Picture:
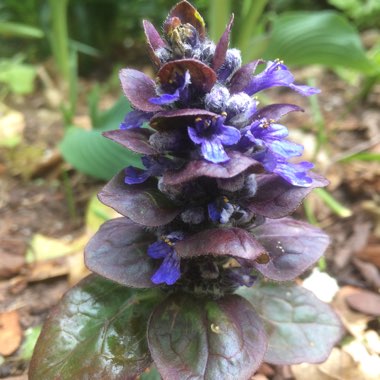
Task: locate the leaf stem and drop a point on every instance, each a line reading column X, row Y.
column 333, row 204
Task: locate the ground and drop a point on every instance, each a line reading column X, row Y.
column 36, row 187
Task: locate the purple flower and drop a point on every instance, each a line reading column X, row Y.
column 169, row 271
column 221, row 210
column 135, row 119
column 273, row 151
column 154, row 166
column 277, row 74
column 212, row 135
column 177, row 90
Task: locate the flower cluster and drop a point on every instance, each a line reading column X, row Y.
column 208, row 213
column 216, row 164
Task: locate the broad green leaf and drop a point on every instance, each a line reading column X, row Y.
column 326, row 37
column 206, row 339
column 92, row 153
column 301, row 328
column 98, row 331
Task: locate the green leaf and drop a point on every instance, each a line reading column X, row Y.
column 301, row 328
column 95, row 155
column 200, row 338
column 13, row 29
column 98, row 331
column 18, row 76
column 30, row 338
column 326, row 37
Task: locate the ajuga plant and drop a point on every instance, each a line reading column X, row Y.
column 195, row 277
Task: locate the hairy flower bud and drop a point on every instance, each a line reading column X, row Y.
column 216, row 100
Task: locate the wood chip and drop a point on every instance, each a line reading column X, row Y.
column 10, row 333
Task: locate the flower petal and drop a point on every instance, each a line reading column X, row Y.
column 166, row 98
column 304, row 90
column 192, row 132
column 212, row 150
column 135, row 175
column 135, row 119
column 229, row 135
column 270, row 79
column 159, row 250
column 285, row 149
column 169, row 271
column 296, row 174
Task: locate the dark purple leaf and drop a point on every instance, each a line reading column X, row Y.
column 234, row 242
column 180, row 118
column 118, row 251
column 154, row 41
column 202, row 76
column 197, row 338
column 237, row 164
column 139, row 88
column 222, row 46
column 97, row 332
column 135, row 139
column 293, row 246
column 300, row 327
column 143, row 203
column 188, row 15
column 243, row 76
column 276, row 198
column 275, row 111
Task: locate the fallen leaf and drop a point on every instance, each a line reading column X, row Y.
column 355, row 323
column 43, row 270
column 44, row 248
column 365, row 302
column 10, row 333
column 369, row 271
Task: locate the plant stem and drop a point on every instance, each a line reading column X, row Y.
column 60, row 39
column 333, row 204
column 218, row 16
column 249, row 25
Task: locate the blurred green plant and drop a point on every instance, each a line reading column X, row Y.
column 17, row 76
column 364, row 13
column 89, row 152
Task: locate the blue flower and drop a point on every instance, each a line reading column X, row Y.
column 213, row 135
column 135, row 119
column 277, row 74
column 176, row 90
column 273, row 151
column 169, row 271
column 221, row 210
column 155, row 166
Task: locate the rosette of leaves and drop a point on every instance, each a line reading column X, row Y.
column 195, row 276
